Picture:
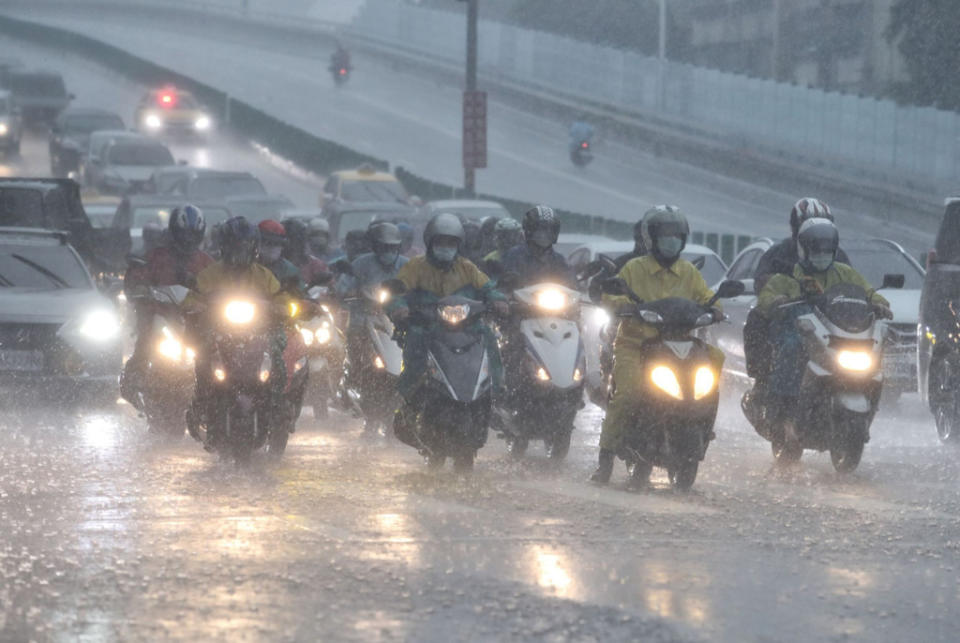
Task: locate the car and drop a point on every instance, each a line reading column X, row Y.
column 9, row 64
column 257, row 208
column 363, row 185
column 204, row 183
column 40, row 95
column 872, row 258
column 101, row 209
column 70, row 136
column 56, row 204
column 11, row 124
column 476, row 209
column 581, row 249
column 123, row 162
column 172, row 111
column 58, row 332
column 347, row 216
column 136, row 211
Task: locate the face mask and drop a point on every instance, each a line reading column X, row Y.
column 670, row 247
column 319, row 243
column 542, row 239
column 271, row 254
column 444, row 254
column 388, row 258
column 821, row 261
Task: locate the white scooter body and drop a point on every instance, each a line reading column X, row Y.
column 554, row 342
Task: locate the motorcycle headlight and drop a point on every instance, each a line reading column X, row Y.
column 152, row 121
column 323, row 333
column 543, row 375
column 202, row 124
column 265, row 364
column 170, row 348
column 293, row 309
column 577, row 375
column 383, row 295
column 551, row 299
column 378, row 362
column 307, row 336
column 665, row 379
column 857, row 361
column 454, row 314
column 703, row 382
column 239, row 312
column 601, row 317
column 219, row 373
column 100, row 326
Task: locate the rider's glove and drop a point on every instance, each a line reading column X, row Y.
column 811, row 286
column 882, row 311
column 718, row 315
column 501, row 308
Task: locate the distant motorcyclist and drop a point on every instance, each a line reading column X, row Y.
column 356, row 243
column 535, row 261
column 176, row 263
column 655, row 276
column 406, row 239
column 340, row 58
column 153, row 236
column 273, row 241
column 580, row 131
column 318, row 230
column 817, row 271
column 473, row 241
column 313, row 270
column 439, row 273
column 488, row 235
column 236, row 270
column 508, row 234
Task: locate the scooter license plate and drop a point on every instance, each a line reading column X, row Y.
column 21, row 361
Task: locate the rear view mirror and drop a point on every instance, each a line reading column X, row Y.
column 893, row 281
column 700, row 262
column 730, row 289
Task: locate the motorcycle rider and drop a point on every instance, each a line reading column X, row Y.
column 176, row 263
column 658, row 275
column 508, row 233
column 340, row 58
column 406, row 238
column 318, row 230
column 580, row 131
column 273, row 241
column 817, row 270
column 536, row 261
column 639, row 247
column 313, row 270
column 439, row 273
column 236, row 269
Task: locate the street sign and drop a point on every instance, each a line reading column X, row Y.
column 474, row 129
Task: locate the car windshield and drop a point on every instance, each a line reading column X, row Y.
column 140, row 155
column 37, row 85
column 875, row 259
column 215, row 187
column 21, row 207
column 86, row 123
column 41, row 267
column 373, row 191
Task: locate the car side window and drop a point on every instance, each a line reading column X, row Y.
column 579, row 258
column 744, row 267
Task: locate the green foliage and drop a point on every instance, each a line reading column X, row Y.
column 926, row 34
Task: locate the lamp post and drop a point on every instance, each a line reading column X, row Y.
column 662, row 57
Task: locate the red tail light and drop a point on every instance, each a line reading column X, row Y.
column 343, row 72
column 585, row 145
column 167, row 99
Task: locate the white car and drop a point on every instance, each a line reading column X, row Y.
column 471, row 208
column 872, row 258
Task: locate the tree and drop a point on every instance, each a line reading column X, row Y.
column 925, row 31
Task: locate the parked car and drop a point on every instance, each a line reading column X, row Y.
column 202, row 184
column 873, row 258
column 122, row 162
column 471, row 208
column 172, row 111
column 41, row 95
column 136, row 211
column 363, row 185
column 56, row 204
column 11, row 124
column 70, row 136
column 57, row 331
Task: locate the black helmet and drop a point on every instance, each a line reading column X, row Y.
column 187, row 227
column 239, row 242
column 817, row 244
column 805, row 209
column 660, row 222
column 298, row 240
column 541, row 227
column 640, row 245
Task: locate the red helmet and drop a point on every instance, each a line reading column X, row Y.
column 272, row 233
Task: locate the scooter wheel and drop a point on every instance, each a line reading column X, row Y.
column 684, row 475
column 278, row 443
column 558, row 446
column 464, row 463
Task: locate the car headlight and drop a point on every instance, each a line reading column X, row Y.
column 857, row 361
column 323, row 333
column 665, row 379
column 239, row 312
column 454, row 314
column 202, row 124
column 100, row 326
column 307, row 336
column 4, row 129
column 551, row 299
column 703, row 382
column 152, row 121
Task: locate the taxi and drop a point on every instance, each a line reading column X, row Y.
column 172, row 111
column 365, row 184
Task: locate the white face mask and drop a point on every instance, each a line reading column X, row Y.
column 670, row 247
column 445, row 254
column 271, row 254
column 821, row 261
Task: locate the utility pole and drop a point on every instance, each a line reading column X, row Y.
column 775, row 53
column 474, row 109
column 662, row 58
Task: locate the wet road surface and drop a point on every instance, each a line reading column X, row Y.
column 111, row 533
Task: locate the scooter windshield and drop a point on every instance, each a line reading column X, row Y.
column 848, row 307
column 680, row 315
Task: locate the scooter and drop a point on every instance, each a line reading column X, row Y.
column 243, row 400
column 454, row 417
column 842, row 379
column 546, row 379
column 679, row 392
column 371, row 383
column 580, row 152
column 169, row 378
column 325, row 347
